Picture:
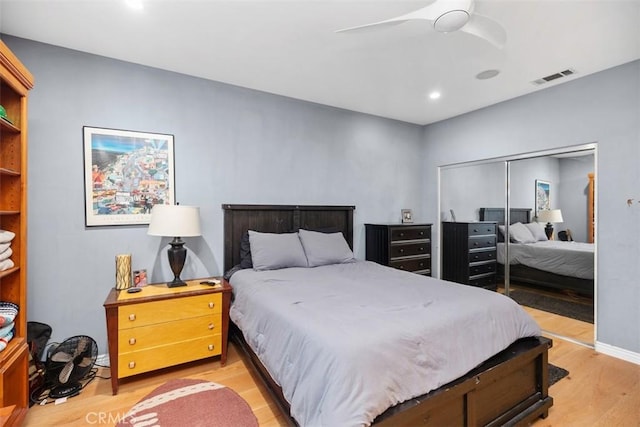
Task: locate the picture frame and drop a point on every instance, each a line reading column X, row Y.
column 543, row 196
column 126, row 173
column 407, row 216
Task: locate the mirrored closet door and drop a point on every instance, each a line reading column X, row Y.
column 544, row 202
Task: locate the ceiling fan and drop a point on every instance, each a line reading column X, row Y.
column 447, row 16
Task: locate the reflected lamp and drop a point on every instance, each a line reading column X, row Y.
column 550, row 216
column 175, row 221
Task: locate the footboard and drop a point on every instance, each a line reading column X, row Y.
column 509, row 389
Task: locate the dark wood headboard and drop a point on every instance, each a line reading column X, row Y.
column 280, row 219
column 522, row 215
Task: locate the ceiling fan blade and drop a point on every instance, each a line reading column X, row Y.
column 486, row 28
column 65, row 373
column 61, row 356
column 429, row 13
column 388, row 22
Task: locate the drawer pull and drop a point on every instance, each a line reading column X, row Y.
column 132, row 341
column 422, row 264
column 475, row 230
column 210, row 347
column 401, row 250
column 401, row 234
column 132, row 365
column 421, row 249
column 132, row 317
column 401, row 267
column 211, row 326
column 422, row 233
column 211, row 305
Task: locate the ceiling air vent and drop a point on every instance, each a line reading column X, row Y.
column 550, row 77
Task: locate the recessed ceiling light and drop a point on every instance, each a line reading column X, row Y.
column 135, row 4
column 487, row 74
column 434, row 95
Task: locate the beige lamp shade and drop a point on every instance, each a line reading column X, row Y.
column 175, row 221
column 550, row 215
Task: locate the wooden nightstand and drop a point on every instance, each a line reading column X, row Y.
column 161, row 327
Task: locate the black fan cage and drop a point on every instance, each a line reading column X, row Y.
column 70, row 346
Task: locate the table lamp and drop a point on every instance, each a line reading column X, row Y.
column 550, row 216
column 175, row 221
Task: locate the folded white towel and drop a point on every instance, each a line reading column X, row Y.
column 6, row 236
column 6, row 254
column 6, row 264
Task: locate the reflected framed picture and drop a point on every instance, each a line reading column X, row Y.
column 542, row 196
column 126, row 173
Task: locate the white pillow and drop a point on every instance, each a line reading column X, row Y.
column 518, row 233
column 537, row 231
column 325, row 248
column 271, row 251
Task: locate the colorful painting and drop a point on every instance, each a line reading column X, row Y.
column 126, row 174
column 542, row 196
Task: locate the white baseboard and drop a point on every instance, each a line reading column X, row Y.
column 103, row 360
column 618, row 353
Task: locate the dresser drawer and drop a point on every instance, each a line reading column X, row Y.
column 410, row 233
column 482, row 242
column 150, row 359
column 409, row 249
column 486, row 281
column 482, row 268
column 478, row 229
column 413, row 265
column 140, row 338
column 149, row 313
column 482, row 255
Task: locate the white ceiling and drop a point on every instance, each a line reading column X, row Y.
column 290, row 47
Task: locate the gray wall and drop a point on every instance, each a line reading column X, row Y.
column 602, row 108
column 572, row 197
column 232, row 145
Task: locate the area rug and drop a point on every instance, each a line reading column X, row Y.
column 556, row 373
column 188, row 402
column 574, row 310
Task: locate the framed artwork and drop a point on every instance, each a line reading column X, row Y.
column 542, row 196
column 407, row 216
column 126, row 173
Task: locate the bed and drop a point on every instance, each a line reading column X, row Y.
column 508, row 387
column 560, row 265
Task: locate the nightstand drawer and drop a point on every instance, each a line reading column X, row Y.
column 172, row 354
column 413, row 265
column 140, row 338
column 409, row 249
column 481, row 229
column 482, row 242
column 410, row 233
column 149, row 313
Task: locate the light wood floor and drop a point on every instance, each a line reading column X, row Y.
column 599, row 390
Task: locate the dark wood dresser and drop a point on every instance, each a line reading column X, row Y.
column 469, row 253
column 402, row 246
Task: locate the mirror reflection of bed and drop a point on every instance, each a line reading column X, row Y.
column 469, row 188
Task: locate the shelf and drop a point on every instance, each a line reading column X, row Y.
column 8, row 126
column 8, row 271
column 7, row 353
column 9, row 172
column 9, row 212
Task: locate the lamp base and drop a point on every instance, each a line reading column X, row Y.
column 177, row 255
column 549, row 230
column 175, row 283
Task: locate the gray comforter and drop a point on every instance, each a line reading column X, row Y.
column 347, row 341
